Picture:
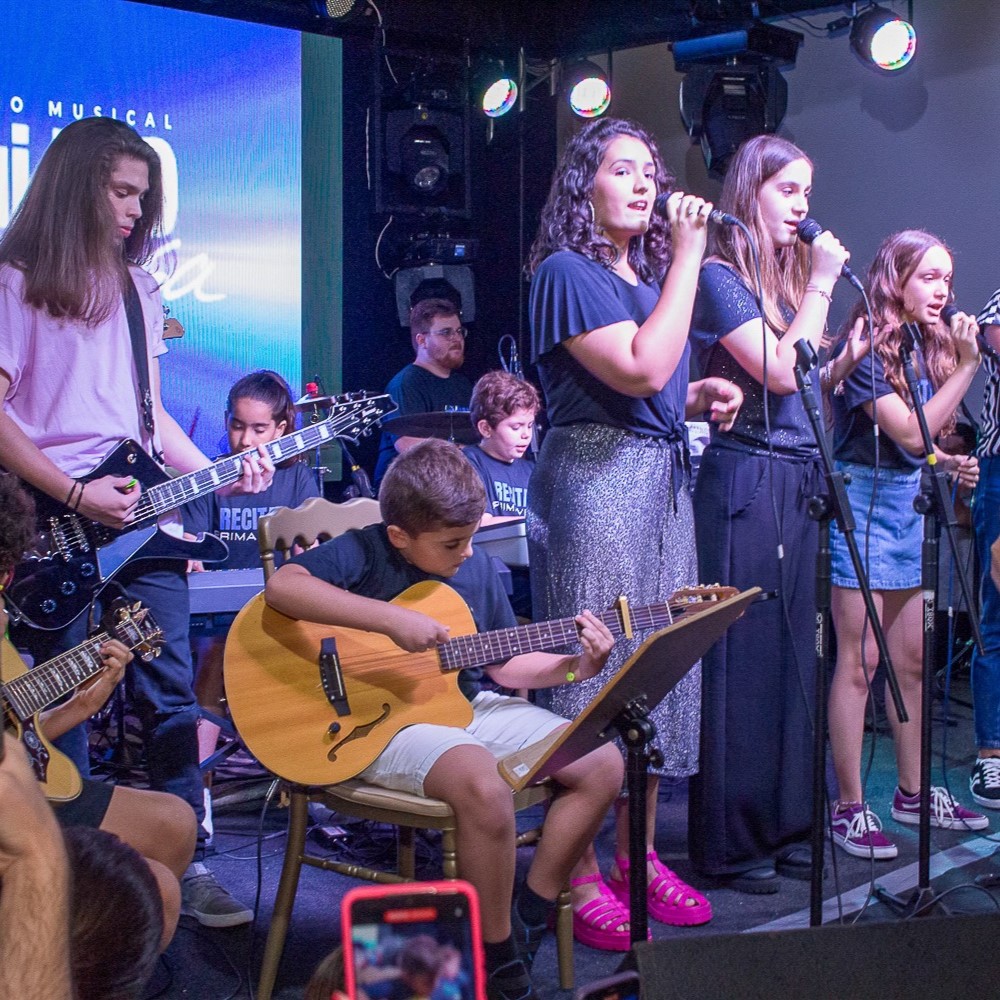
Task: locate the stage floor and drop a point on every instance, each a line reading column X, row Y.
column 215, row 964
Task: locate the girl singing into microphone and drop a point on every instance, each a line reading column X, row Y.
column 609, row 511
column 909, row 283
column 750, row 803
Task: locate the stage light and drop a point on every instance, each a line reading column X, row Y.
column 587, row 89
column 335, row 9
column 723, row 106
column 733, row 88
column 423, row 154
column 494, row 89
column 882, row 40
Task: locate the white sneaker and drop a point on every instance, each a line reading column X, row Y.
column 208, row 902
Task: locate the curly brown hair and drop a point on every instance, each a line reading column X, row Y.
column 567, row 221
column 897, row 257
column 17, row 522
column 498, row 394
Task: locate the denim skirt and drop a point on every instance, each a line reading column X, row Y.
column 890, row 540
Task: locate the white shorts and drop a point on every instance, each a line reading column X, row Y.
column 500, row 723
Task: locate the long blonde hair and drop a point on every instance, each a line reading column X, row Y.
column 785, row 271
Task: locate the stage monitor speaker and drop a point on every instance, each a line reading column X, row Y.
column 927, row 957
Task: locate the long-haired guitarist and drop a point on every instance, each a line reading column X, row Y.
column 432, row 500
column 72, row 388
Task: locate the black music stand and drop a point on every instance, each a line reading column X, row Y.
column 643, row 681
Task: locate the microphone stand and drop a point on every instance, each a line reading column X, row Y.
column 822, row 508
column 934, row 503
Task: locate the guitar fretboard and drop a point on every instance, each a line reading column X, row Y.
column 350, row 416
column 484, row 648
column 39, row 688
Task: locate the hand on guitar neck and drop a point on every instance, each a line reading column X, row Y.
column 90, row 696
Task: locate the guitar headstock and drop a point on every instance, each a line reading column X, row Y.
column 357, row 414
column 134, row 625
column 704, row 592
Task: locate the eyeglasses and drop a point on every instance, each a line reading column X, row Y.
column 450, row 333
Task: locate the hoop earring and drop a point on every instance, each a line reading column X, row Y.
column 593, row 219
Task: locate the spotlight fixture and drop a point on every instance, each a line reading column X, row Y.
column 586, row 88
column 335, row 9
column 423, row 157
column 733, row 88
column 494, row 89
column 882, row 40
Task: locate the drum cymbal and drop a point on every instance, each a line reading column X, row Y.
column 308, row 402
column 452, row 425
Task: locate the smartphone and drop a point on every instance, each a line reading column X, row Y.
column 623, row 986
column 413, row 939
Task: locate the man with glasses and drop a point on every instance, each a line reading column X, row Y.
column 432, row 382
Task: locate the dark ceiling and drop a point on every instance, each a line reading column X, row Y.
column 544, row 28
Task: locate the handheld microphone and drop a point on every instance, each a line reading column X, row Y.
column 985, row 347
column 716, row 216
column 808, row 230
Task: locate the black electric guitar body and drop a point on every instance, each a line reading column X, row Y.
column 72, row 557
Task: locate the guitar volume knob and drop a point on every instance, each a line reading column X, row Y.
column 67, row 587
column 48, row 606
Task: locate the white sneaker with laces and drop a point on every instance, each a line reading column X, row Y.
column 208, row 902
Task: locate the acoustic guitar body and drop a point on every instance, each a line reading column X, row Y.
column 55, row 772
column 283, row 713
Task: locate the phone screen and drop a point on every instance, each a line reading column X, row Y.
column 413, row 944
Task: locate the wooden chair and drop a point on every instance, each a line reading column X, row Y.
column 277, row 534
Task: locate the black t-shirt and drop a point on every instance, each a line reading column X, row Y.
column 570, row 295
column 853, row 436
column 364, row 562
column 417, row 390
column 506, row 482
column 724, row 303
column 234, row 518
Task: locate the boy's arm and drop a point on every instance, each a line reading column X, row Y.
column 295, row 592
column 539, row 670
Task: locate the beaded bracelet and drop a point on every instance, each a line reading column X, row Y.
column 820, row 291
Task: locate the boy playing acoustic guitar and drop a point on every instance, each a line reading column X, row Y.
column 432, row 501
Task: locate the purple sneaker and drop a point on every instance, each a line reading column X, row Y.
column 859, row 832
column 946, row 812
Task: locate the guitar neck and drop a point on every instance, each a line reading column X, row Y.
column 175, row 493
column 37, row 689
column 482, row 649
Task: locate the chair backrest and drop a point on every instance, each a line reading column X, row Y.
column 315, row 519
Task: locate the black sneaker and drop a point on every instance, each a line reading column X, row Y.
column 985, row 782
column 510, row 982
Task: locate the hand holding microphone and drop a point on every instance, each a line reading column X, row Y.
column 828, row 252
column 714, row 215
column 969, row 342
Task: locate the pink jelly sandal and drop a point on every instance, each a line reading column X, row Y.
column 669, row 899
column 602, row 922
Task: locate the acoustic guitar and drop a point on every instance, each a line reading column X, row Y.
column 72, row 557
column 316, row 704
column 26, row 693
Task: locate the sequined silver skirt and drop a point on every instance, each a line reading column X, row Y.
column 603, row 521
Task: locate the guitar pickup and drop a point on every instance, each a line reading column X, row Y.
column 332, row 677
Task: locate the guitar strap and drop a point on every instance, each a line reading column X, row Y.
column 137, row 334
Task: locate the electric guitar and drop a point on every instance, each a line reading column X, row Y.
column 26, row 693
column 72, row 557
column 316, row 704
